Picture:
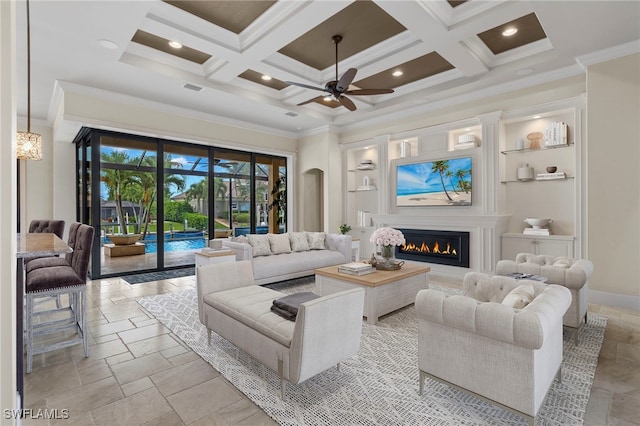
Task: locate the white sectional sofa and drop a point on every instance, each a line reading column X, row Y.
column 279, row 257
column 326, row 331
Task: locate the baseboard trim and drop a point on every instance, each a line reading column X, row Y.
column 614, row 299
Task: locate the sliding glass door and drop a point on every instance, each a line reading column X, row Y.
column 186, row 203
column 128, row 182
column 156, row 202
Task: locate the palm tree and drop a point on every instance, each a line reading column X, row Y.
column 449, row 175
column 199, row 191
column 441, row 167
column 462, row 183
column 117, row 181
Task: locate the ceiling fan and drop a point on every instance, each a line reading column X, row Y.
column 338, row 88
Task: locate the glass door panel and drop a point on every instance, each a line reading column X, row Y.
column 232, row 193
column 271, row 195
column 127, row 190
column 186, row 203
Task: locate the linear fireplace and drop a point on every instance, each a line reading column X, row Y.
column 441, row 247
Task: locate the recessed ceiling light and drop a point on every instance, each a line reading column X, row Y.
column 397, row 73
column 327, row 99
column 107, row 44
column 536, row 116
column 175, row 44
column 266, row 77
column 509, row 31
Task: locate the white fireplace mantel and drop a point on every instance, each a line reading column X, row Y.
column 484, row 237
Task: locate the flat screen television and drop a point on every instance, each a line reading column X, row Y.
column 434, row 183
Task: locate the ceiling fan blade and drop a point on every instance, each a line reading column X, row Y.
column 346, row 79
column 306, row 86
column 347, row 103
column 360, row 92
column 317, row 98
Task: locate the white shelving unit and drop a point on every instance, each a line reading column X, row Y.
column 558, row 199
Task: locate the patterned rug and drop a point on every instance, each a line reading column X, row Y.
column 379, row 385
column 157, row 276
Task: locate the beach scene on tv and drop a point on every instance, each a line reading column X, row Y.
column 434, row 183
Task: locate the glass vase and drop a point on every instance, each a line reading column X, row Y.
column 387, row 252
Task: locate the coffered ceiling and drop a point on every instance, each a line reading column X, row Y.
column 237, row 56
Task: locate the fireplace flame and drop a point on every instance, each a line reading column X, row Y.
column 424, row 248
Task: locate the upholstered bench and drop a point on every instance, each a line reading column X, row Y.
column 326, row 330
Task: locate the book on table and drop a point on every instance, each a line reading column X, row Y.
column 356, row 268
column 356, row 273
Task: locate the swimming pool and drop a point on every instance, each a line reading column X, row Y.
column 176, row 241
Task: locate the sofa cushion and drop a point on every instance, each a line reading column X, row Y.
column 275, row 266
column 259, row 244
column 279, row 243
column 316, row 240
column 299, row 241
column 251, row 305
column 240, row 239
column 519, row 297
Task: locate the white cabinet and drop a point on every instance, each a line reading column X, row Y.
column 553, row 245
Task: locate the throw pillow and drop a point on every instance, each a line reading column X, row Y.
column 519, row 297
column 260, row 245
column 562, row 262
column 316, row 240
column 279, row 243
column 299, row 241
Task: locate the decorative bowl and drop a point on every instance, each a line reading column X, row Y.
column 551, row 169
column 538, row 223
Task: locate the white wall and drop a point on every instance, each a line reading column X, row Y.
column 613, row 182
column 321, row 151
column 9, row 206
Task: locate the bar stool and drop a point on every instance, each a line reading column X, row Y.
column 51, row 226
column 54, row 280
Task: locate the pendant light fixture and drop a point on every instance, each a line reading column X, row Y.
column 29, row 145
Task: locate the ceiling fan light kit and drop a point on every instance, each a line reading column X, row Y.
column 338, row 88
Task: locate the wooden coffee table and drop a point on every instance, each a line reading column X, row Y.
column 384, row 291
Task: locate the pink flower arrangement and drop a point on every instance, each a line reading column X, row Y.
column 387, row 237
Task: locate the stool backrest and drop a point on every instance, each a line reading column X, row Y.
column 81, row 241
column 47, row 226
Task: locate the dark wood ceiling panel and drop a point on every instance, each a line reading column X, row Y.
column 456, row 3
column 256, row 77
column 529, row 30
column 416, row 69
column 362, row 24
column 234, row 16
column 162, row 44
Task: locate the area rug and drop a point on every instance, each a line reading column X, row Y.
column 157, row 276
column 378, row 386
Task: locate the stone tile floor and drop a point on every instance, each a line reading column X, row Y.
column 139, row 373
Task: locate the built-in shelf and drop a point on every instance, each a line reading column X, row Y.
column 362, row 190
column 538, row 180
column 542, row 148
column 361, row 170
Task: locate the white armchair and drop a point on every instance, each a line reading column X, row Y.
column 570, row 273
column 504, row 355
